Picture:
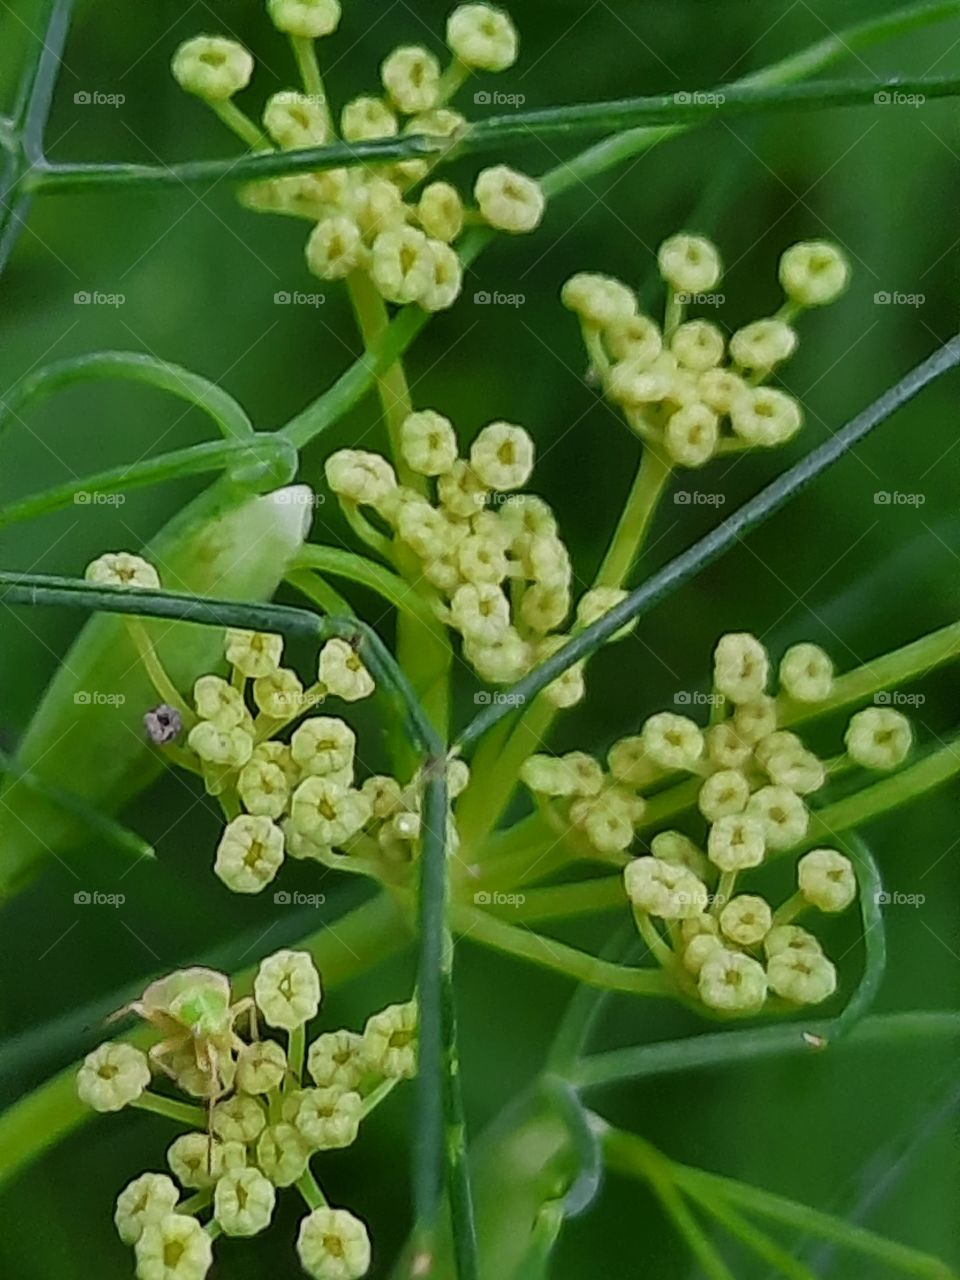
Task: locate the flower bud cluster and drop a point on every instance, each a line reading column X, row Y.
column 688, row 387
column 729, row 950
column 270, row 1112
column 372, row 221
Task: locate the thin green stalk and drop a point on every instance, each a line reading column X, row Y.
column 311, row 585
column 182, row 1112
column 563, row 901
column 651, row 479
column 295, row 1053
column 241, row 125
column 155, row 669
column 367, row 573
column 490, row 931
column 377, row 1095
column 309, row 1188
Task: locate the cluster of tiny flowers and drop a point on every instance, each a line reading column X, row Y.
column 296, row 790
column 388, row 222
column 687, row 387
column 270, row 1113
column 726, row 949
column 494, row 555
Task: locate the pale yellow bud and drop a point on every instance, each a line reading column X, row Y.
column 827, row 880
column 814, row 273
column 689, row 264
column 509, row 201
column 879, row 738
column 733, row 983
column 482, row 37
column 746, row 920
column 212, row 67
column 806, row 673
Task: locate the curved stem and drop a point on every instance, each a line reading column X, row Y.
column 182, row 1112
column 651, row 479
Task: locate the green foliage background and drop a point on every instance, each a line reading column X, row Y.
column 199, row 277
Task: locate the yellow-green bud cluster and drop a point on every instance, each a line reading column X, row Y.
column 730, row 950
column 370, row 221
column 268, row 1117
column 687, row 387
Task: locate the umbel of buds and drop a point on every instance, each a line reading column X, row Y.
column 267, row 1118
column 733, row 952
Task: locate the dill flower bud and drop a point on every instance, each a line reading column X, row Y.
column 672, row 741
column 327, row 812
column 575, row 774
column 756, row 720
column 411, row 77
column 802, row 977
column 723, row 793
column 544, row 606
column 545, row 559
column 428, row 443
column 120, row 569
column 341, row 670
column 509, row 201
column 287, row 989
column 324, row 746
column 113, row 1076
column 263, row 788
column 731, row 982
column 735, row 843
column 279, row 695
column 689, row 264
column 333, row 1245
column 335, row 248
column 145, row 1200
column 680, row 851
column 261, row 1066
column 328, row 1118
column 282, row 1154
column 608, row 819
column 390, row 1041
column 790, row 766
column 746, row 920
column 173, row 1248
column 229, row 748
column 569, row 688
column 243, row 1202
column 308, row 19
column 377, row 206
column 219, row 702
column 814, row 273
column 440, row 211
column 627, row 761
column 767, row 417
column 461, row 491
column 698, row 345
column 698, row 951
column 601, row 302
column 364, row 478
column 367, row 117
column 691, row 435
column 401, row 264
column 335, row 1060
column 596, row 603
column 240, row 1118
column 502, row 456
column 501, row 660
column 295, row 120
column 762, row 345
column 827, row 880
column 664, row 889
column 790, row 937
column 446, row 280
column 722, row 390
column 482, row 559
column 480, row 611
column 725, row 746
column 254, row 653
column 740, row 667
column 194, row 1159
column 701, row 926
column 635, row 340
column 249, row 854
column 878, row 738
column 806, row 673
column 782, row 816
column 637, row 383
column 482, row 37
column 212, row 67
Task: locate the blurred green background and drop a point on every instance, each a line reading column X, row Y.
column 198, row 276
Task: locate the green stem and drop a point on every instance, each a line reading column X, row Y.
column 155, row 670
column 652, row 476
column 182, row 1112
column 755, row 1239
column 377, row 1095
column 367, row 573
column 295, row 1053
column 240, row 124
column 478, row 926
column 309, row 1188
column 311, row 585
